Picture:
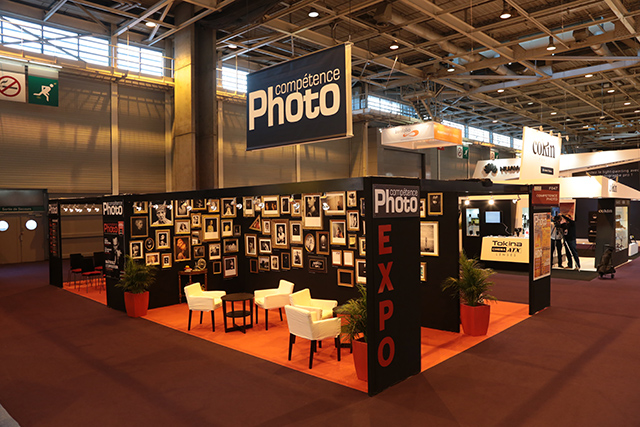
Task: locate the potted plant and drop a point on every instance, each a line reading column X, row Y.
column 354, row 326
column 472, row 286
column 135, row 283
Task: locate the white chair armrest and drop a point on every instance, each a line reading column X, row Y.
column 276, row 301
column 325, row 304
column 328, row 328
column 261, row 293
column 316, row 313
column 203, row 303
column 214, row 294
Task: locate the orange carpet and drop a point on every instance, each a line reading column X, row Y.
column 272, row 345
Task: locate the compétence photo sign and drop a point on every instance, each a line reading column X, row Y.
column 304, row 100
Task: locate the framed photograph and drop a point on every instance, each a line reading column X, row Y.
column 353, row 221
column 198, row 252
column 162, row 239
column 196, row 237
column 434, row 207
column 345, row 277
column 139, row 226
column 336, row 257
column 227, row 228
column 237, row 230
column 165, row 260
column 348, row 259
column 296, row 208
column 362, row 206
column 228, row 208
column 211, row 227
column 140, row 208
column 183, row 226
column 135, row 249
column 338, row 233
column 199, row 205
column 161, row 213
column 361, row 271
column 253, row 265
column 311, row 211
column 214, row 251
column 250, row 245
column 296, row 257
column 285, row 261
column 429, row 238
column 152, row 258
column 230, row 246
column 336, row 203
column 196, row 220
column 257, row 204
column 352, row 242
column 183, row 208
column 270, row 206
column 256, row 225
column 352, row 199
column 266, row 227
column 247, row 209
column 181, row 248
column 217, row 267
column 310, row 243
column 280, row 233
column 230, row 266
column 213, row 205
column 423, row 208
column 295, row 235
column 264, row 245
column 317, row 264
column 275, row 263
column 285, row 205
column 362, row 246
column 149, row 244
column 423, row 271
column 322, row 242
column 264, row 263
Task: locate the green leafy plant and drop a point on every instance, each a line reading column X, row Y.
column 137, row 277
column 355, row 311
column 472, row 284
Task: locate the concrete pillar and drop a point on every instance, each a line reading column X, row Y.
column 184, row 141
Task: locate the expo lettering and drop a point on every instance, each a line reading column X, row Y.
column 304, row 103
column 385, row 306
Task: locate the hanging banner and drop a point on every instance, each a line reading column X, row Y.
column 12, row 87
column 304, row 100
column 422, row 135
column 540, row 155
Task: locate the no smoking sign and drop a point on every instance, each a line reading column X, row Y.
column 12, row 87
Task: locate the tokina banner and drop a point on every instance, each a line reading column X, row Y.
column 304, row 100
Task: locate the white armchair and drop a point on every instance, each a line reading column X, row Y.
column 305, row 324
column 323, row 307
column 272, row 298
column 202, row 301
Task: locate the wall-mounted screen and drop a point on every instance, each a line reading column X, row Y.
column 492, row 217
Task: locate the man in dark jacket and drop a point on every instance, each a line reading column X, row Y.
column 570, row 241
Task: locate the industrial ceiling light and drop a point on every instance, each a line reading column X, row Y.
column 467, row 202
column 491, row 201
column 627, row 102
column 553, row 113
column 551, row 46
column 611, row 90
column 500, row 90
column 451, row 69
column 313, row 13
column 232, row 46
column 150, row 24
column 588, row 75
column 394, row 45
column 637, row 111
column 506, row 10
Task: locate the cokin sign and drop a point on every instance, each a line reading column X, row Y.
column 540, row 154
column 304, row 100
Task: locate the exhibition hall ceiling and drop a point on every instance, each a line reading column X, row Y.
column 570, row 66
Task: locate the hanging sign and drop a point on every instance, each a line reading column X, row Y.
column 43, row 91
column 304, row 100
column 12, row 87
column 421, row 135
column 540, row 155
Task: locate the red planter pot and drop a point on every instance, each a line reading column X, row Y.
column 360, row 359
column 136, row 304
column 475, row 320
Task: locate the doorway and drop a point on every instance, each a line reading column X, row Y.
column 22, row 237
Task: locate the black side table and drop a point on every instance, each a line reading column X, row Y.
column 233, row 313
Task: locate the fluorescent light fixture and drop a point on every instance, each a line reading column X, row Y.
column 551, row 46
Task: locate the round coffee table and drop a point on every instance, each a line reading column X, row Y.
column 234, row 314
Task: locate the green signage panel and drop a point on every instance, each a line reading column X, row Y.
column 43, row 91
column 465, row 152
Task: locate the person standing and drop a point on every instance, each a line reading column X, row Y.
column 556, row 239
column 570, row 240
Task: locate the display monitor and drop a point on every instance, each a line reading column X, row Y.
column 492, row 217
